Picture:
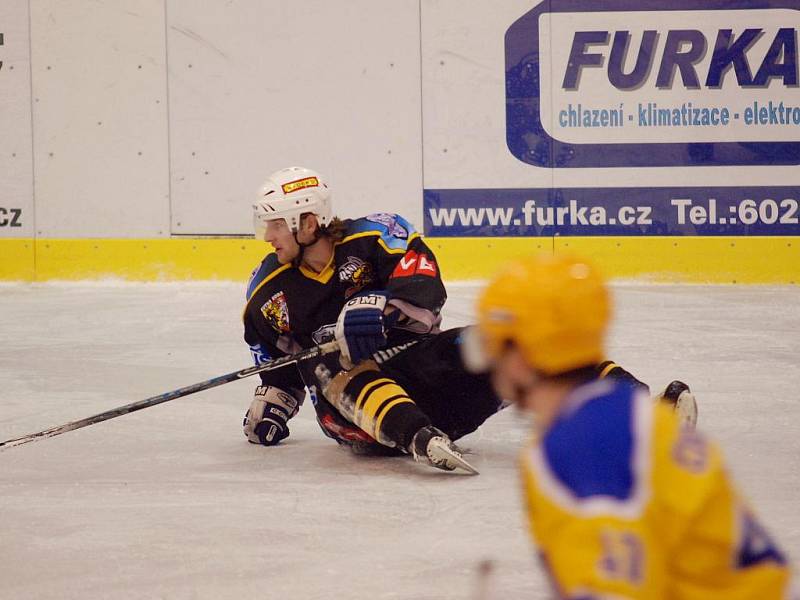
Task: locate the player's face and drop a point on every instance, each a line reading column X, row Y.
column 282, row 239
column 513, row 379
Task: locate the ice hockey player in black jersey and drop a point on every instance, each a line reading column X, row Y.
column 373, row 285
column 399, row 384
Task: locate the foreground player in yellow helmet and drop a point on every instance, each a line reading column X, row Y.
column 624, row 499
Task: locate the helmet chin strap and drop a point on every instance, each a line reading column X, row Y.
column 299, row 258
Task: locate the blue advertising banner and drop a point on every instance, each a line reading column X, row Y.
column 702, row 211
column 633, row 83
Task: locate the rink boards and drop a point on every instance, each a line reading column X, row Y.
column 660, row 137
column 719, row 259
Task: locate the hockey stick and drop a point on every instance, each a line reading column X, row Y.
column 313, row 352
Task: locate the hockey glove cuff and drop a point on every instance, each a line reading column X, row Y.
column 266, row 420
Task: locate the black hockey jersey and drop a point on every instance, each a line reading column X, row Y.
column 290, row 308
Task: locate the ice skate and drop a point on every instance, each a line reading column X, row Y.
column 434, row 447
column 682, row 400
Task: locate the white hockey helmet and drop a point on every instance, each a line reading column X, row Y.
column 289, row 193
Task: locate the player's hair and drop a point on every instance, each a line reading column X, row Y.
column 335, row 230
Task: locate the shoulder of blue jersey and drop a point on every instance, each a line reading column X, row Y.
column 393, row 230
column 590, row 448
column 267, row 267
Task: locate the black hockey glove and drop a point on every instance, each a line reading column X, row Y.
column 266, row 420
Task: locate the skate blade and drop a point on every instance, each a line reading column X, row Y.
column 686, row 409
column 443, row 457
column 465, row 466
column 684, row 406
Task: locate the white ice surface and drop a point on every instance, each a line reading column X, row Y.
column 172, row 502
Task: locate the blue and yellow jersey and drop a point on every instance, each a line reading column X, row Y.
column 624, row 502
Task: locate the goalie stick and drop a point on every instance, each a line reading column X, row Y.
column 320, row 350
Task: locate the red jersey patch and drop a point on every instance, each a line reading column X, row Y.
column 415, row 264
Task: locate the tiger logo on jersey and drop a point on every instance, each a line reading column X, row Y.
column 357, row 273
column 276, row 312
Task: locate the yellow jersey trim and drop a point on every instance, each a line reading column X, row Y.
column 268, row 278
column 323, row 276
column 363, row 234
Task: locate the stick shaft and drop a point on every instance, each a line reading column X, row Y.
column 166, row 397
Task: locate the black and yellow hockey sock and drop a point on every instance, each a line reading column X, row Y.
column 613, row 371
column 384, row 409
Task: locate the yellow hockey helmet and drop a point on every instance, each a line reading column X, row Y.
column 555, row 309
